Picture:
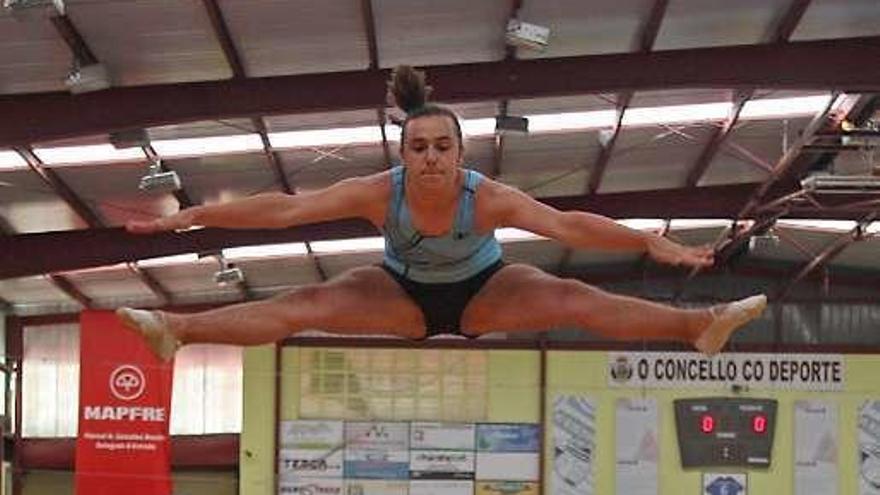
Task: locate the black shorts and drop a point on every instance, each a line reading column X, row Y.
column 443, row 304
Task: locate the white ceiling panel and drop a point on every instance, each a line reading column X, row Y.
column 327, row 120
column 30, row 205
column 426, row 32
column 585, row 28
column 279, row 37
column 279, row 272
column 839, row 19
column 653, row 157
column 32, row 290
column 112, row 286
column 705, row 23
column 33, row 58
column 213, row 179
column 751, row 150
column 150, row 41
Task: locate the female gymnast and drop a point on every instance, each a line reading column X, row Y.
column 442, row 270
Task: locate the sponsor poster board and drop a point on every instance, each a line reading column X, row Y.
column 122, row 443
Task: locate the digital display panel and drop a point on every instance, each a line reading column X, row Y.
column 725, row 431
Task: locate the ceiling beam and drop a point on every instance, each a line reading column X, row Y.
column 823, row 64
column 74, row 40
column 36, row 253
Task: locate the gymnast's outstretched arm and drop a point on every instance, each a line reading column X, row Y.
column 510, row 207
column 363, row 197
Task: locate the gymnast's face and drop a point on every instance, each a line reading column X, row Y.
column 432, row 153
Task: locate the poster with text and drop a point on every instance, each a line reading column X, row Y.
column 636, row 446
column 442, row 436
column 376, row 487
column 298, row 463
column 869, row 448
column 815, row 448
column 377, row 450
column 311, row 486
column 574, row 443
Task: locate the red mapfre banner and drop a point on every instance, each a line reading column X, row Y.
column 124, row 409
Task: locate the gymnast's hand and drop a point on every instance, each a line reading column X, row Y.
column 666, row 251
column 181, row 220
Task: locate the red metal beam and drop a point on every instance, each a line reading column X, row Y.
column 81, row 51
column 60, row 188
column 823, row 64
column 830, row 252
column 65, row 285
column 187, row 452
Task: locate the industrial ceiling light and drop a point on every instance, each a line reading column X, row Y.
column 229, row 274
column 841, row 184
column 525, row 35
column 34, row 9
column 511, row 123
column 159, row 180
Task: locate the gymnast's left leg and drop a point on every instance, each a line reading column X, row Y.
column 521, row 297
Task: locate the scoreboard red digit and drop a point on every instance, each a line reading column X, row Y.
column 725, row 431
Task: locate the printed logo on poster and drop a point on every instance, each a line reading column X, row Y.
column 817, row 372
column 127, row 382
column 295, row 463
column 313, row 486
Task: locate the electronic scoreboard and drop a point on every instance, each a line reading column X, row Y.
column 725, row 431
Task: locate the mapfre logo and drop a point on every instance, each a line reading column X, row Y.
column 127, row 382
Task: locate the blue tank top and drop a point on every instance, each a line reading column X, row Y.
column 453, row 257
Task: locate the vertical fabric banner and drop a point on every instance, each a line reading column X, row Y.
column 637, row 448
column 574, row 445
column 815, row 447
column 122, row 445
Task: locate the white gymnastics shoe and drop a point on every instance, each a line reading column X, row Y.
column 152, row 327
column 727, row 318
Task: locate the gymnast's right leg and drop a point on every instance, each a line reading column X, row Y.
column 361, row 301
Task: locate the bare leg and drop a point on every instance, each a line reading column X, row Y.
column 521, row 297
column 361, row 301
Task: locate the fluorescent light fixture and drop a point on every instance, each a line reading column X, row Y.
column 510, row 234
column 93, row 153
column 698, row 223
column 361, row 244
column 841, row 184
column 178, row 259
column 836, row 225
column 269, row 250
column 10, row 160
column 873, row 228
column 676, row 114
column 572, row 121
column 171, row 148
column 326, row 137
column 478, row 127
column 784, row 107
column 643, row 223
